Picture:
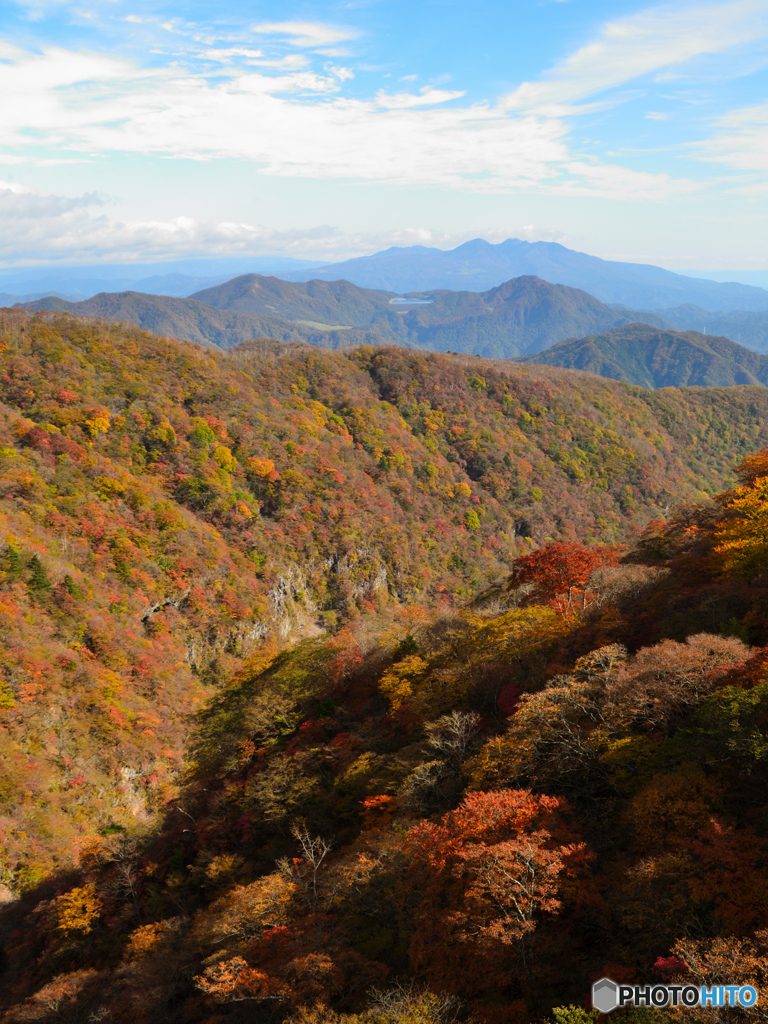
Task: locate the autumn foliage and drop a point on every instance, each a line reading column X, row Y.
column 559, row 575
column 352, row 688
column 512, row 852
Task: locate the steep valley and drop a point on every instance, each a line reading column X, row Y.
column 300, row 647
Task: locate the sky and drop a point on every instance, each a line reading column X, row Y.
column 138, row 130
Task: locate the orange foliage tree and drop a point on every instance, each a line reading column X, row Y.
column 497, row 864
column 234, row 981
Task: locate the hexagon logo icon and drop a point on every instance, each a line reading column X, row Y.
column 605, row 995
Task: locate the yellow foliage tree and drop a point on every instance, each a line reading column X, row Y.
column 551, row 737
column 149, row 939
column 466, row 650
column 742, row 536
column 399, row 682
column 246, row 911
column 96, row 421
column 224, row 458
column 77, row 910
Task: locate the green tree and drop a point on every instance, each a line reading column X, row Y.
column 38, row 580
column 14, row 564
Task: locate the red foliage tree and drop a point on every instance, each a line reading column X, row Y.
column 558, row 574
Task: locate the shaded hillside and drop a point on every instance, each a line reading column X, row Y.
column 652, row 358
column 524, row 315
column 479, row 265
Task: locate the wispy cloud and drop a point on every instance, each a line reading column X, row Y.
column 308, row 34
column 641, row 44
column 739, row 141
column 425, row 97
column 295, row 123
column 256, row 58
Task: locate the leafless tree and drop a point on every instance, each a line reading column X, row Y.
column 304, row 872
column 453, row 734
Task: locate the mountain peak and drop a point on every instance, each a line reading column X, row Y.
column 479, row 265
column 475, row 245
column 400, row 250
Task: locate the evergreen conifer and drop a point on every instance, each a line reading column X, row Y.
column 14, row 565
column 38, row 580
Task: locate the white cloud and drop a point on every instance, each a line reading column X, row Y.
column 426, row 97
column 20, row 203
column 740, row 141
column 256, row 58
column 232, row 51
column 291, row 62
column 310, row 34
column 293, row 123
column 37, row 227
column 642, row 43
column 343, row 74
column 612, row 181
column 654, row 115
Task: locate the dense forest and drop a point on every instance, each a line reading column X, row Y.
column 372, row 686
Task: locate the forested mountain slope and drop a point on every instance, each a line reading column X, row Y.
column 330, row 302
column 189, row 320
column 442, row 815
column 166, row 510
column 656, row 358
column 523, row 315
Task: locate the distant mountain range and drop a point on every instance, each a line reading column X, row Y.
column 478, row 265
column 758, row 278
column 10, row 299
column 524, row 315
column 78, row 289
column 653, row 358
column 475, row 266
column 742, row 326
column 177, row 278
column 173, row 318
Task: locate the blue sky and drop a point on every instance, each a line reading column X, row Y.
column 142, row 130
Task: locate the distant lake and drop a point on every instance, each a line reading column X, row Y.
column 410, row 302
